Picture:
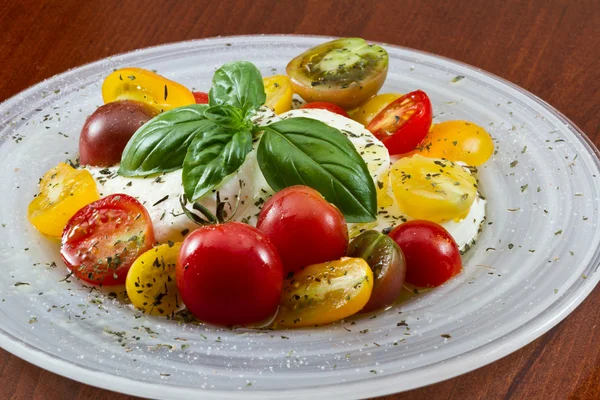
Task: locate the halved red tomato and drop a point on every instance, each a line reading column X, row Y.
column 403, row 124
column 103, row 239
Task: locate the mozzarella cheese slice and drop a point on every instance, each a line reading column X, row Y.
column 161, row 194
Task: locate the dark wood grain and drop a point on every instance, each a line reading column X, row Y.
column 551, row 48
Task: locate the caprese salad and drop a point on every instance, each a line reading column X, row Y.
column 300, row 199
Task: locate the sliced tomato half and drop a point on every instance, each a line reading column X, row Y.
column 403, row 124
column 103, row 239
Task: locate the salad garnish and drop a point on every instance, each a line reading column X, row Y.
column 211, row 142
column 349, row 203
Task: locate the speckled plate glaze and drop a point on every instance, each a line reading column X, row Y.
column 535, row 261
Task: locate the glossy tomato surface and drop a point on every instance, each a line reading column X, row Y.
column 462, row 141
column 107, row 131
column 323, row 293
column 404, row 123
column 151, row 283
column 323, row 105
column 432, row 256
column 103, row 239
column 229, row 274
column 64, row 190
column 146, row 86
column 200, row 97
column 368, row 110
column 433, row 189
column 345, row 72
column 304, row 227
column 386, row 260
column 278, row 89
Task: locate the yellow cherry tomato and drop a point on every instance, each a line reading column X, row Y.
column 458, row 141
column 323, row 293
column 64, row 190
column 151, row 282
column 365, row 113
column 279, row 93
column 433, row 189
column 145, row 86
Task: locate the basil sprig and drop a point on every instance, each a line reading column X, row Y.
column 238, row 84
column 211, row 158
column 211, row 142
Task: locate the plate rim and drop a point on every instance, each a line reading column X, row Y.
column 386, row 384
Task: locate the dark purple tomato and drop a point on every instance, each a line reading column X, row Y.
column 107, row 131
column 387, row 262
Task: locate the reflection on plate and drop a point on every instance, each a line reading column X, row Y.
column 534, row 262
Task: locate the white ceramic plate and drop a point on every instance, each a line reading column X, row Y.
column 531, row 266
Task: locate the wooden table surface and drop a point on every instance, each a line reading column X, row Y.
column 551, row 48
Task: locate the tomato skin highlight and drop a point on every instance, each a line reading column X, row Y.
column 323, row 105
column 278, row 89
column 106, row 132
column 344, row 71
column 304, row 227
column 103, row 239
column 323, row 293
column 404, row 123
column 64, row 190
column 200, row 97
column 458, row 141
column 151, row 283
column 145, row 86
column 433, row 189
column 368, row 110
column 386, row 260
column 229, row 274
column 432, row 255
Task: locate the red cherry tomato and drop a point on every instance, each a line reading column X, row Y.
column 103, row 239
column 229, row 274
column 200, row 97
column 304, row 227
column 323, row 105
column 432, row 256
column 403, row 124
column 107, row 131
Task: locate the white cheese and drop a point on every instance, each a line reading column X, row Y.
column 160, row 194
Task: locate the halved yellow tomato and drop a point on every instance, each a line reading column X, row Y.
column 365, row 113
column 64, row 190
column 151, row 282
column 145, row 86
column 323, row 293
column 433, row 189
column 458, row 141
column 279, row 93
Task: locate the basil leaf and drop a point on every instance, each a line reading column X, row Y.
column 238, row 84
column 211, row 158
column 226, row 116
column 161, row 144
column 303, row 151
